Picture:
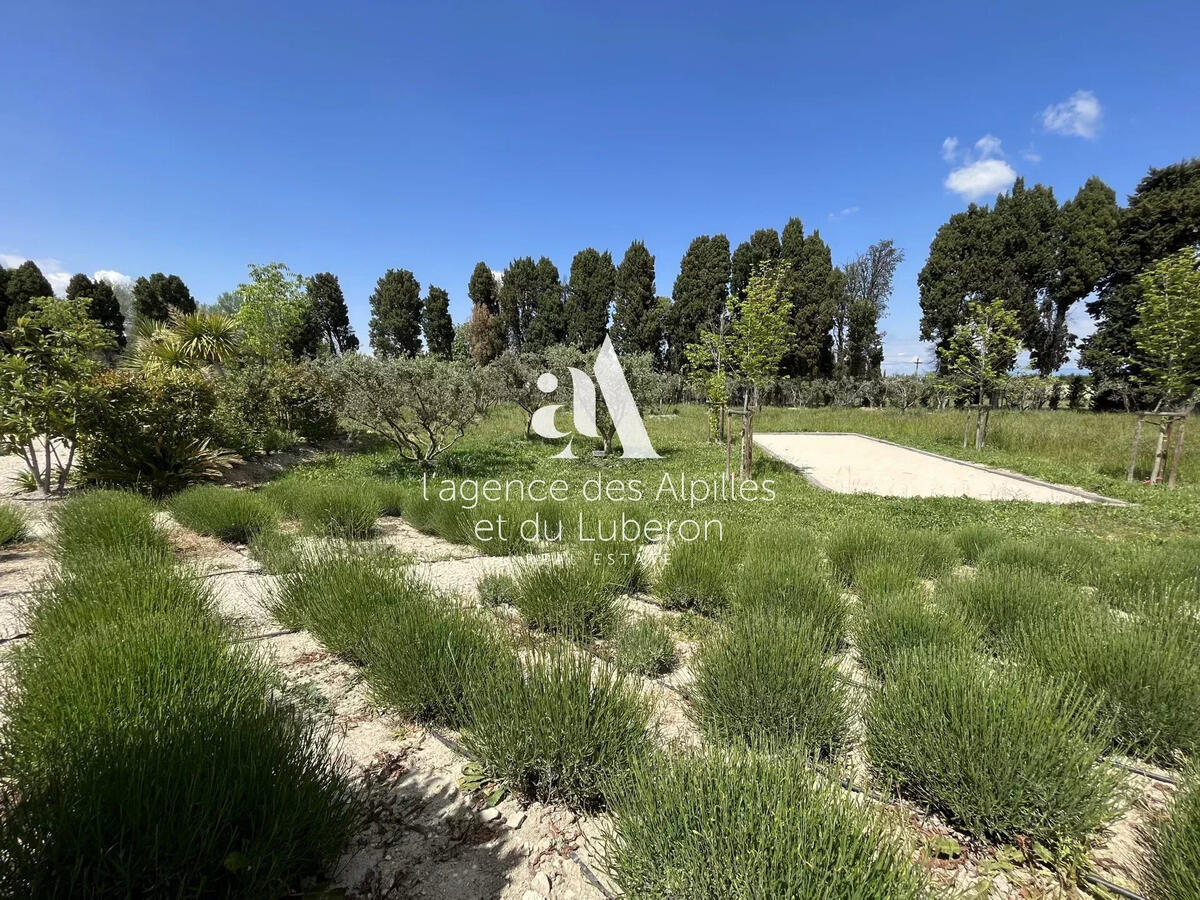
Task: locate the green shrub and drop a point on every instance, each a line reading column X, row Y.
column 793, row 587
column 767, row 679
column 276, row 551
column 344, row 595
column 12, row 525
column 1000, row 600
column 1070, row 557
column 257, row 402
column 921, row 553
column 347, row 509
column 426, row 656
column 1147, row 575
column 880, row 581
column 999, row 753
column 107, row 523
column 892, row 623
column 1173, row 870
column 973, row 541
column 622, row 570
column 151, row 431
column 438, row 517
column 392, row 496
column 1144, row 671
column 699, row 575
column 559, row 727
column 744, row 826
column 645, row 647
column 497, row 590
column 567, row 595
column 98, row 588
column 231, row 515
column 150, row 754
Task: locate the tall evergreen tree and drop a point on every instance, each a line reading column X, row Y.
column 590, row 292
column 3, row 296
column 549, row 319
column 812, row 285
column 483, row 289
column 328, row 315
column 156, row 296
column 102, row 306
column 699, row 295
column 763, row 247
column 518, row 298
column 1087, row 230
column 637, row 323
column 959, row 270
column 396, row 314
column 1163, row 216
column 22, row 284
column 437, row 324
column 867, row 285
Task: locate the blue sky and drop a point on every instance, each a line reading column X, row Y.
column 195, row 138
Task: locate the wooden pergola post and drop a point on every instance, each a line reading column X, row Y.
column 1137, row 440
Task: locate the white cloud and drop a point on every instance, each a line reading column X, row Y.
column 950, row 149
column 1079, row 116
column 841, row 214
column 1031, row 156
column 988, row 147
column 981, row 178
column 112, row 276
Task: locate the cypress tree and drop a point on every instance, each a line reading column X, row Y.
column 156, row 296
column 518, row 297
column 436, row 323
column 637, row 325
column 699, row 295
column 22, row 284
column 549, row 319
column 813, row 285
column 329, row 314
column 396, row 314
column 763, row 247
column 589, row 295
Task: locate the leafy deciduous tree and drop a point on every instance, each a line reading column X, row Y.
column 979, row 357
column 867, row 284
column 1167, row 334
column 274, row 306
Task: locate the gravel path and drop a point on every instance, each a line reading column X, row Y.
column 856, row 464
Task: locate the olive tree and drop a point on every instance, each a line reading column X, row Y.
column 45, row 383
column 422, row 405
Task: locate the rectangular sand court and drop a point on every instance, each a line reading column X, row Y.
column 857, row 464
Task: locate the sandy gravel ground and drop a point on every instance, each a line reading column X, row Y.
column 854, row 464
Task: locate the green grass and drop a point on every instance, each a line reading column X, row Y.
column 701, row 575
column 645, row 647
column 1173, row 870
column 973, row 541
column 765, row 679
column 998, row 752
column 231, row 515
column 888, row 625
column 745, row 826
column 1140, row 575
column 99, row 589
column 855, row 548
column 346, row 508
column 496, row 589
column 107, row 522
column 12, row 525
column 792, row 586
column 567, row 595
column 1143, row 670
column 426, row 658
column 1073, row 558
column 149, row 753
column 881, row 580
column 559, row 727
column 999, row 601
column 343, row 596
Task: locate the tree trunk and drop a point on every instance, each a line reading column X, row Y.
column 747, row 437
column 1137, row 440
column 1176, row 453
column 985, row 413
